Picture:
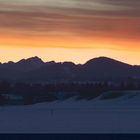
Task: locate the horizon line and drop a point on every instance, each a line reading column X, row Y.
column 67, row 61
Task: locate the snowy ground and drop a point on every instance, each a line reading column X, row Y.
column 121, row 115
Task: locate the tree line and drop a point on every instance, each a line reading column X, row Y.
column 35, row 93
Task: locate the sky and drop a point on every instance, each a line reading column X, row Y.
column 70, row 30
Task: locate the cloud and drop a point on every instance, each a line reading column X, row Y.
column 112, row 18
column 80, row 4
column 130, row 3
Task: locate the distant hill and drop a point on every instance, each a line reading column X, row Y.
column 105, row 68
column 35, row 70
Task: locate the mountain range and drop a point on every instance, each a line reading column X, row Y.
column 97, row 69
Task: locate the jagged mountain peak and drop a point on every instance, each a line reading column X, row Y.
column 31, row 60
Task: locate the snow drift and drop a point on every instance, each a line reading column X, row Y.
column 104, row 114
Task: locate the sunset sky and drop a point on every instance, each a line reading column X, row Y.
column 70, row 30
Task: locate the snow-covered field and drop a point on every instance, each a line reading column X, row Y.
column 120, row 115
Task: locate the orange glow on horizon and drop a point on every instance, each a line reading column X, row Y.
column 69, row 42
column 68, row 48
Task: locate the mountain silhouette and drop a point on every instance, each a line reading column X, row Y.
column 35, row 70
column 29, row 64
column 106, row 68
